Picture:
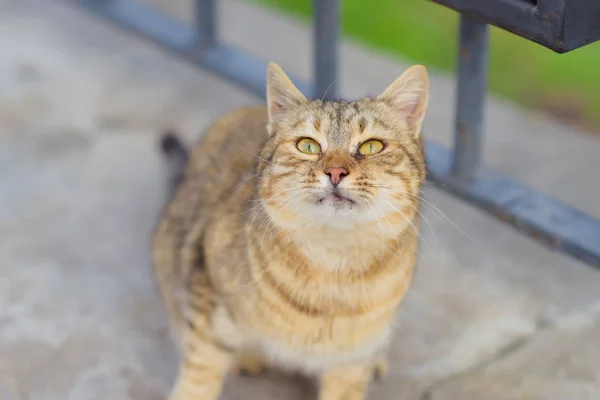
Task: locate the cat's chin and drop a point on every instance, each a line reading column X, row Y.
column 338, row 211
column 336, row 201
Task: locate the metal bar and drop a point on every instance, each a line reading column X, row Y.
column 543, row 218
column 470, row 98
column 226, row 61
column 561, row 26
column 326, row 36
column 206, row 24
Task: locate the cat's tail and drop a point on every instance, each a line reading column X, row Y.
column 166, row 266
column 176, row 154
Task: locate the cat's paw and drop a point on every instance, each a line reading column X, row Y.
column 380, row 369
column 250, row 364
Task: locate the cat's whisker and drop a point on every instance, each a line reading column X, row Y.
column 327, row 90
column 413, row 206
column 247, row 179
column 380, row 231
column 293, row 184
column 412, row 225
column 301, row 196
column 262, row 240
column 434, row 184
column 267, row 161
column 263, row 203
column 389, row 225
column 362, row 279
column 424, row 202
column 294, row 195
column 265, row 219
column 424, row 218
column 397, row 242
column 270, row 200
column 434, row 207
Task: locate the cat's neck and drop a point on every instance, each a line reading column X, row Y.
column 343, row 249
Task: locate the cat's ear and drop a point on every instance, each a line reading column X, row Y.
column 281, row 92
column 408, row 95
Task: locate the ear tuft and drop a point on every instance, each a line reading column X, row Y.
column 281, row 92
column 409, row 95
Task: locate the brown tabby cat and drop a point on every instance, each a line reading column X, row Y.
column 291, row 238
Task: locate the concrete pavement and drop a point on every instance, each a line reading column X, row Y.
column 492, row 314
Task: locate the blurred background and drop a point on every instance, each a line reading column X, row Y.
column 565, row 86
column 493, row 314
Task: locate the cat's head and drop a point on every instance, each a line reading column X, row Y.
column 343, row 164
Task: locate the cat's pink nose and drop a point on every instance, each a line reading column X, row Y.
column 336, row 174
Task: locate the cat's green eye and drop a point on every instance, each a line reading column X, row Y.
column 309, row 146
column 371, row 147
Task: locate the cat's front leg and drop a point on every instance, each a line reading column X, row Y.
column 202, row 371
column 250, row 363
column 346, row 383
column 210, row 343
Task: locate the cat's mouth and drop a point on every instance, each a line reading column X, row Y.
column 336, row 198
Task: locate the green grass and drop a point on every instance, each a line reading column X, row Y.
column 566, row 85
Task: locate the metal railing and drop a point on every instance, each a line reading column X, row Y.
column 459, row 172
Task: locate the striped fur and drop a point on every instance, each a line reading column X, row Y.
column 259, row 264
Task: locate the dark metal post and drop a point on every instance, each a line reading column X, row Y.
column 206, row 24
column 470, row 100
column 326, row 35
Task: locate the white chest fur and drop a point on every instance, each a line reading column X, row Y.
column 295, row 354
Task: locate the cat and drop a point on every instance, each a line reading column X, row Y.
column 290, row 239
